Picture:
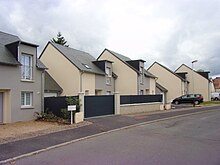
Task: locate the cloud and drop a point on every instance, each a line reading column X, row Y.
column 170, row 32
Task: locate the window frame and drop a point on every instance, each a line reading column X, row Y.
column 27, row 102
column 108, row 71
column 26, row 69
column 141, row 75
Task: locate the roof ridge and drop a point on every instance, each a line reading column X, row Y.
column 69, row 47
column 118, row 54
column 9, row 34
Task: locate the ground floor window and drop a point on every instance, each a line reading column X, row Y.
column 141, row 92
column 26, row 99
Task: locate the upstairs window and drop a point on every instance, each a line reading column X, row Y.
column 108, row 80
column 141, row 75
column 27, row 67
column 108, row 71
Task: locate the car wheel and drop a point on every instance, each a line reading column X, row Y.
column 196, row 102
column 216, row 99
column 176, row 102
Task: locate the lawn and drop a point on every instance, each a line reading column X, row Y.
column 210, row 102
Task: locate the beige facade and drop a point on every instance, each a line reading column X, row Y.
column 175, row 85
column 62, row 70
column 12, row 85
column 197, row 83
column 129, row 80
column 126, row 83
column 70, row 77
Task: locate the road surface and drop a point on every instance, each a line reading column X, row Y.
column 190, row 140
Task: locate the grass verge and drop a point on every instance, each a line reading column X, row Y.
column 211, row 103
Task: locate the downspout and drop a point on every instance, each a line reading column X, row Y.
column 80, row 85
column 42, row 90
column 138, row 85
column 114, row 79
column 209, row 86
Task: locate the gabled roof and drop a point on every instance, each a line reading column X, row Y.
column 6, row 41
column 6, row 38
column 148, row 74
column 167, row 70
column 161, row 88
column 40, row 65
column 51, row 84
column 82, row 60
column 121, row 57
column 199, row 73
column 6, row 57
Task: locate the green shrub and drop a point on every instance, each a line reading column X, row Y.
column 46, row 116
column 73, row 101
column 65, row 113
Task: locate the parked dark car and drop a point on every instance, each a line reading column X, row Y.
column 189, row 98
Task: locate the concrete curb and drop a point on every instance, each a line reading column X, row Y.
column 99, row 134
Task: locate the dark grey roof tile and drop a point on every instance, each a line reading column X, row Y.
column 82, row 60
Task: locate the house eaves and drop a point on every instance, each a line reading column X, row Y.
column 40, row 65
column 7, row 56
column 122, row 58
column 51, row 84
column 29, row 44
column 161, row 88
column 148, row 74
column 193, row 71
column 168, row 71
column 81, row 60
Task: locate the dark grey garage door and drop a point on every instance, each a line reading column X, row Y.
column 1, row 107
column 98, row 105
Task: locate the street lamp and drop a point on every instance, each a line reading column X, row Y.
column 194, row 61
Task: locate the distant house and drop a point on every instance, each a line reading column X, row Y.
column 77, row 71
column 132, row 78
column 173, row 84
column 199, row 82
column 216, row 83
column 22, row 79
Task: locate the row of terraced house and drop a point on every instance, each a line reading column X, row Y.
column 26, row 79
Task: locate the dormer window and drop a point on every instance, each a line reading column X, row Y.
column 141, row 75
column 108, row 71
column 87, row 66
column 27, row 67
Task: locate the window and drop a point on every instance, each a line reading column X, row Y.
column 141, row 92
column 26, row 99
column 108, row 80
column 26, row 68
column 141, row 75
column 108, row 71
column 86, row 92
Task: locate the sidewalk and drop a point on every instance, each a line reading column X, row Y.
column 30, row 146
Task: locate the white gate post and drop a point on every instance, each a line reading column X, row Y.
column 81, row 102
column 117, row 103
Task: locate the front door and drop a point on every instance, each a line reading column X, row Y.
column 1, row 107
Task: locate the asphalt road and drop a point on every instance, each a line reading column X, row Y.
column 190, row 140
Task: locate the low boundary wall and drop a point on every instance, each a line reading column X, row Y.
column 140, row 108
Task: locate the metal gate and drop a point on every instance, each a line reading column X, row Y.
column 1, row 107
column 98, row 105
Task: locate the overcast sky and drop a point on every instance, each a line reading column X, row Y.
column 170, row 32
